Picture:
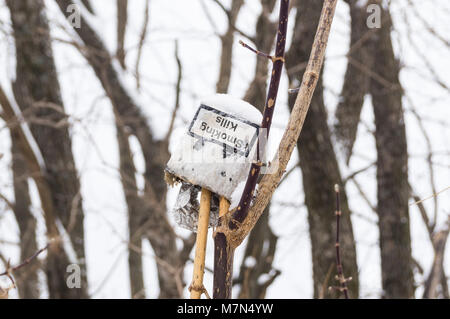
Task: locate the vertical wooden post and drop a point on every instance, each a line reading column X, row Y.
column 224, row 206
column 196, row 287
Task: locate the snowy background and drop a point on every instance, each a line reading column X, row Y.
column 96, row 153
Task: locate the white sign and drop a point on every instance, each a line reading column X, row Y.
column 235, row 134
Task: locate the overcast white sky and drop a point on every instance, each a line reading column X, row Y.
column 96, row 151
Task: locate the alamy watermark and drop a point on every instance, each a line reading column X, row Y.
column 74, row 278
column 374, row 19
column 74, row 17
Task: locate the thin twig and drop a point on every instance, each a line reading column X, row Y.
column 230, row 21
column 340, row 270
column 141, row 45
column 431, row 196
column 257, row 52
column 10, row 270
column 177, row 93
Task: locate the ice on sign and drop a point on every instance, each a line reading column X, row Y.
column 212, row 125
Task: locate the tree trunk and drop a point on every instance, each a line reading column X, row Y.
column 227, row 40
column 356, row 81
column 258, row 259
column 154, row 225
column 26, row 278
column 38, row 94
column 320, row 168
column 392, row 169
column 135, row 212
column 122, row 17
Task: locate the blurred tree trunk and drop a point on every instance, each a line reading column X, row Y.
column 258, row 259
column 356, row 81
column 57, row 259
column 392, row 168
column 128, row 175
column 154, row 224
column 122, row 18
column 135, row 213
column 26, row 278
column 38, row 94
column 319, row 167
column 261, row 235
column 227, row 41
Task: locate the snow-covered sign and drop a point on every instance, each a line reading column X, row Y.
column 235, row 134
column 215, row 153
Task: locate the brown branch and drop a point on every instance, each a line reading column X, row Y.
column 231, row 15
column 26, row 261
column 10, row 270
column 359, row 171
column 261, row 236
column 36, row 171
column 429, row 159
column 431, row 196
column 177, row 93
column 428, row 26
column 231, row 232
column 227, row 40
column 141, row 45
column 288, row 142
column 437, row 270
column 122, row 17
column 257, row 52
column 223, row 253
column 278, row 61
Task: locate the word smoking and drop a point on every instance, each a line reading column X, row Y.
column 220, row 135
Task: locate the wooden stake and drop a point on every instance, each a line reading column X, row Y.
column 224, row 206
column 196, row 287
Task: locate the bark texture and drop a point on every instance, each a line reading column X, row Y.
column 26, row 278
column 38, row 94
column 392, row 168
column 122, row 17
column 319, row 167
column 356, row 80
column 154, row 224
column 135, row 213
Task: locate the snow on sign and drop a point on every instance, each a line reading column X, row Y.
column 214, row 152
column 235, row 134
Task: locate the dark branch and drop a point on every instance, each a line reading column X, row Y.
column 342, row 280
column 257, row 52
column 244, row 204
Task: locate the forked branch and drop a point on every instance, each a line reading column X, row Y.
column 269, row 182
column 233, row 230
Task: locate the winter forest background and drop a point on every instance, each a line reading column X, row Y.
column 101, row 106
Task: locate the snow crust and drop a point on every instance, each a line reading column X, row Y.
column 234, row 106
column 203, row 163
